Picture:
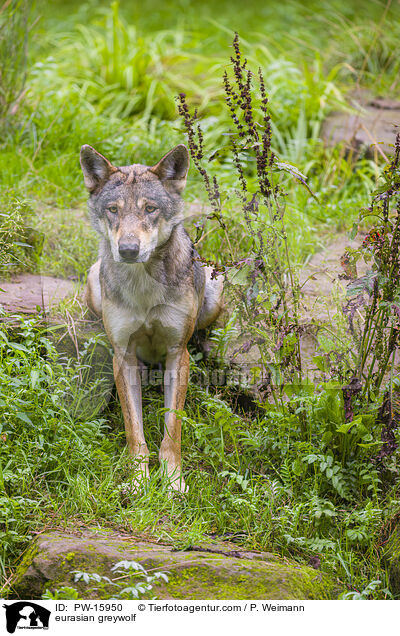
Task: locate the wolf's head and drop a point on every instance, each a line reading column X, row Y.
column 135, row 207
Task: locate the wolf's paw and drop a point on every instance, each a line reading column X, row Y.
column 138, row 482
column 136, row 486
column 178, row 485
column 175, row 480
column 140, row 478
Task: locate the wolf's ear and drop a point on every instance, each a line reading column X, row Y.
column 95, row 167
column 173, row 168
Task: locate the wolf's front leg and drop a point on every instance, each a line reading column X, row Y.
column 127, row 379
column 176, row 379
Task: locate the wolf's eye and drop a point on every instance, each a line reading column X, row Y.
column 113, row 209
column 150, row 208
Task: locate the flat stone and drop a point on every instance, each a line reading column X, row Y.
column 214, row 570
column 322, row 281
column 24, row 293
column 370, row 126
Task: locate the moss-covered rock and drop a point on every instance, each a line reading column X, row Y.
column 216, row 570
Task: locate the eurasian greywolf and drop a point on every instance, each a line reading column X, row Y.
column 148, row 286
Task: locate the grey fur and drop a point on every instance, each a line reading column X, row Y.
column 148, row 285
column 173, row 263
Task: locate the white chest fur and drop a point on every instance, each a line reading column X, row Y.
column 147, row 317
column 142, row 292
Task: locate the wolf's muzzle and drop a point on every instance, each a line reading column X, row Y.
column 129, row 251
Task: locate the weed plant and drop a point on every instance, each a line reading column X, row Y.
column 20, row 244
column 378, row 336
column 260, row 268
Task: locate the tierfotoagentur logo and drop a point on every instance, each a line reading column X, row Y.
column 26, row 615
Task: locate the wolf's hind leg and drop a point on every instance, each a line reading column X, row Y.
column 127, row 379
column 213, row 300
column 92, row 293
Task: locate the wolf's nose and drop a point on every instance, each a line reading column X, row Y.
column 129, row 251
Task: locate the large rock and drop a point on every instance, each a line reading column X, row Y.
column 216, row 570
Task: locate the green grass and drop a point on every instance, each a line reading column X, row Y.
column 292, row 480
column 109, row 78
column 267, row 482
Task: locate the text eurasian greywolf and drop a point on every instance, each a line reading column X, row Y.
column 148, row 286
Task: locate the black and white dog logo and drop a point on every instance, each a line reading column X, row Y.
column 26, row 615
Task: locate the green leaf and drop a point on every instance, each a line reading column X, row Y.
column 354, row 231
column 238, row 276
column 22, row 244
column 370, row 444
column 326, row 438
column 344, row 428
column 24, row 418
column 34, row 377
column 18, row 347
column 294, row 172
column 321, row 363
column 298, row 467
